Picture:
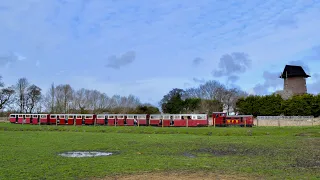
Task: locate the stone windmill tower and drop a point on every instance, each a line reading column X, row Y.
column 294, row 80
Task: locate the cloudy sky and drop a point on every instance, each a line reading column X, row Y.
column 148, row 47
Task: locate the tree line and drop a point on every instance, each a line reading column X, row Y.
column 208, row 97
column 211, row 96
column 275, row 105
column 25, row 97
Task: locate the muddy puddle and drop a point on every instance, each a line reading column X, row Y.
column 79, row 154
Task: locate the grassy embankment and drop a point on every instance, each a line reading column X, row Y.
column 31, row 151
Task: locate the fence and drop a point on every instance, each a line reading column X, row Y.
column 286, row 121
column 4, row 119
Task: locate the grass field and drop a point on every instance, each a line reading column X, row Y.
column 31, row 152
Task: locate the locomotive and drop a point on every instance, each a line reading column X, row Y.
column 219, row 119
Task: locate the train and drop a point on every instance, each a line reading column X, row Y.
column 219, row 119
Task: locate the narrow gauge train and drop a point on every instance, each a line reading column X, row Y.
column 165, row 120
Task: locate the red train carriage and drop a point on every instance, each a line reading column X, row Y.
column 166, row 120
column 130, row 119
column 180, row 120
column 79, row 118
column 142, row 119
column 13, row 118
column 221, row 119
column 22, row 119
column 112, row 119
column 199, row 120
column 67, row 120
column 29, row 118
column 190, row 120
column 53, row 118
column 120, row 119
column 44, row 118
column 62, row 119
column 155, row 119
column 59, row 119
column 35, row 119
column 89, row 119
column 101, row 119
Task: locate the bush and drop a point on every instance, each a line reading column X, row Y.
column 274, row 105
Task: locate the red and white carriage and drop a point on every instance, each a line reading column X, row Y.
column 89, row 119
column 155, row 119
column 120, row 119
column 101, row 119
column 111, row 118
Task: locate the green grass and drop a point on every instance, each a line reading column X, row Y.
column 31, row 151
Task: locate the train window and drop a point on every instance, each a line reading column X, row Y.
column 120, row 117
column 13, row 115
column 154, row 117
column 111, row 117
column 177, row 117
column 88, row 117
column 43, row 116
column 129, row 117
column 62, row 116
column 20, row 115
column 100, row 117
column 53, row 116
column 35, row 116
column 166, row 117
column 79, row 117
column 200, row 117
column 70, row 117
column 27, row 116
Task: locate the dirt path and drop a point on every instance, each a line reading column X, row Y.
column 177, row 176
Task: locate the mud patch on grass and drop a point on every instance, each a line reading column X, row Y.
column 308, row 163
column 309, row 155
column 229, row 150
column 189, row 155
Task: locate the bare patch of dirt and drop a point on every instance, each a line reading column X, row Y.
column 177, row 176
column 189, row 155
column 310, row 154
column 235, row 150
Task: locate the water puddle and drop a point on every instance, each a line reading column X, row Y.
column 85, row 154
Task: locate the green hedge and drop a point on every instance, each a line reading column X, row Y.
column 274, row 105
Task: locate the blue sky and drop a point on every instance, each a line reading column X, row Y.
column 148, row 47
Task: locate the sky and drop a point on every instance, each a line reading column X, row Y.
column 148, row 47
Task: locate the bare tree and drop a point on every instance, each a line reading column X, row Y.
column 52, row 97
column 49, row 100
column 103, row 101
column 21, row 88
column 80, row 100
column 33, row 97
column 230, row 97
column 64, row 96
column 94, row 99
column 212, row 90
column 6, row 94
